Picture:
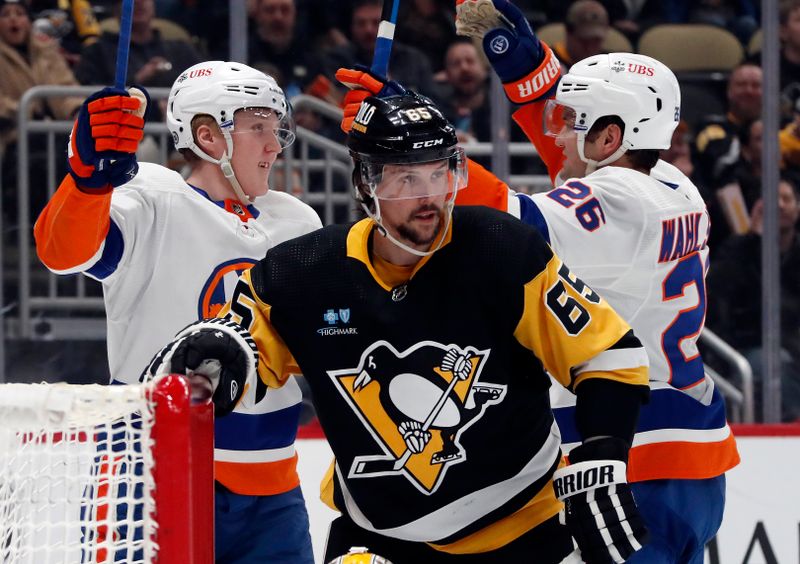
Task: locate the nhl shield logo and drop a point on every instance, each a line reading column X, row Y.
column 416, row 404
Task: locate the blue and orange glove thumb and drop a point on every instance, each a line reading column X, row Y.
column 363, row 83
column 105, row 136
column 527, row 67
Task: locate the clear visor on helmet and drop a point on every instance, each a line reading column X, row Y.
column 559, row 120
column 264, row 123
column 405, row 181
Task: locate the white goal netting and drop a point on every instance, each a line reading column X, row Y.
column 76, row 474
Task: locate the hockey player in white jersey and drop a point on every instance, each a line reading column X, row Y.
column 635, row 229
column 168, row 251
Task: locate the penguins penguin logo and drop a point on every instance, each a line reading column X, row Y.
column 416, row 404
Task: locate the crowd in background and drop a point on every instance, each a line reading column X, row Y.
column 303, row 42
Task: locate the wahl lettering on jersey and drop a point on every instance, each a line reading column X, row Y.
column 681, row 236
column 335, row 320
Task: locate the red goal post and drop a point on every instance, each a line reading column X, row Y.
column 92, row 473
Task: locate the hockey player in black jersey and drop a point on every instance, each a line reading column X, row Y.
column 426, row 332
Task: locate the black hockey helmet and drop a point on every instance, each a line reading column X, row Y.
column 403, row 129
column 407, row 128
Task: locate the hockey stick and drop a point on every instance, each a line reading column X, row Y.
column 385, row 39
column 386, row 465
column 124, row 44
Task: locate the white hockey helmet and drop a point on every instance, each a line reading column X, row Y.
column 640, row 90
column 219, row 89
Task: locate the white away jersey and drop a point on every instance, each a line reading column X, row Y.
column 173, row 256
column 640, row 242
column 180, row 255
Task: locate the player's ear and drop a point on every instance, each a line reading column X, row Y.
column 209, row 139
column 611, row 139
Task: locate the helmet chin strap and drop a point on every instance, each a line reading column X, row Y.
column 225, row 165
column 227, row 171
column 591, row 164
column 376, row 217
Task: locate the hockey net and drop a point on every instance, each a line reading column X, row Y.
column 93, row 473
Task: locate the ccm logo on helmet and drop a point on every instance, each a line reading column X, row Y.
column 429, row 143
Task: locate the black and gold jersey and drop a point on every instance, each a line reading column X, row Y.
column 433, row 393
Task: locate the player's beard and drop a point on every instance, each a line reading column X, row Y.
column 420, row 237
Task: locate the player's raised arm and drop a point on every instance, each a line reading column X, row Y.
column 528, row 68
column 71, row 230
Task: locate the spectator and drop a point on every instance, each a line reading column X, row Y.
column 278, row 40
column 466, row 100
column 427, row 24
column 679, row 153
column 789, row 30
column 717, row 144
column 587, row 26
column 152, row 61
column 629, row 17
column 408, row 65
column 738, row 16
column 71, row 22
column 789, row 140
column 734, row 291
column 27, row 60
column 206, row 21
column 740, row 188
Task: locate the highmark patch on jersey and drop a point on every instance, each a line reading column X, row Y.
column 416, row 404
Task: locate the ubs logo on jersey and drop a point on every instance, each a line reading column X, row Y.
column 218, row 289
column 416, row 404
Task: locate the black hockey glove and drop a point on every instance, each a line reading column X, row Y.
column 217, row 350
column 599, row 507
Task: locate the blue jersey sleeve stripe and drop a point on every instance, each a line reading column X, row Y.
column 261, row 431
column 530, row 213
column 667, row 409
column 112, row 253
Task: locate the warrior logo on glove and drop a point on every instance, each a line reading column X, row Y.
column 416, row 404
column 599, row 508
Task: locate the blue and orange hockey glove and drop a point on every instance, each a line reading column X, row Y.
column 105, row 136
column 363, row 83
column 527, row 67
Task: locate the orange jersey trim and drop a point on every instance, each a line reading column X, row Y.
column 530, row 118
column 536, row 83
column 682, row 460
column 72, row 226
column 483, row 189
column 258, row 478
